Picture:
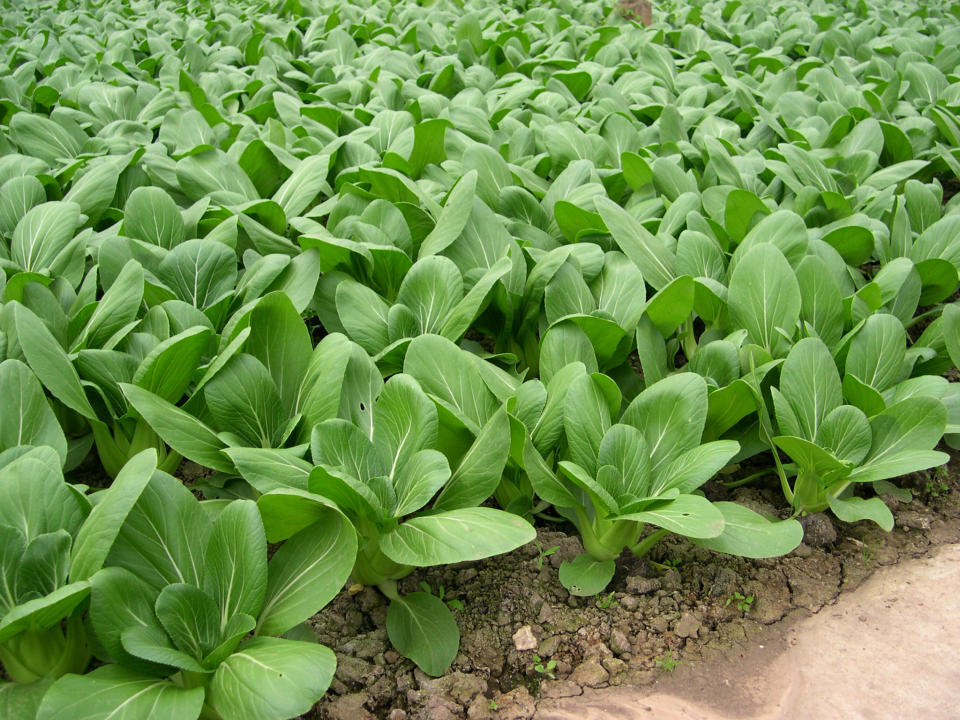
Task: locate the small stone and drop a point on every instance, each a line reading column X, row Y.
column 524, row 639
column 397, row 714
column 466, row 575
column 642, row 585
column 818, row 530
column 391, row 656
column 589, row 674
column 629, row 602
column 725, row 583
column 559, row 689
column 518, row 704
column 619, row 642
column 688, row 626
column 614, row 666
column 671, row 580
column 660, row 623
column 567, row 549
column 546, row 614
column 356, row 671
column 913, row 520
column 549, row 646
column 349, row 707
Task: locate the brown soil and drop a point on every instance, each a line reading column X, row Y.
column 653, row 617
column 877, row 653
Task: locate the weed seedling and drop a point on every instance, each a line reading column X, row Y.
column 545, row 670
column 744, row 602
column 606, row 601
column 452, row 603
column 668, row 661
column 492, row 705
column 937, row 486
column 544, row 553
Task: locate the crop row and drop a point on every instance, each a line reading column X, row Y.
column 405, row 280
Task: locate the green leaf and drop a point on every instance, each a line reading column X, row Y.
column 51, row 364
column 444, row 371
column 235, row 567
column 280, row 340
column 152, row 216
column 267, row 469
column 244, row 399
column 454, row 216
column 455, row 536
column 480, row 469
column 749, row 534
column 190, row 617
column 584, row 576
column 422, row 628
column 271, row 678
column 27, row 418
column 878, row 352
column 854, row 509
column 951, row 332
column 169, row 368
column 164, row 538
column 99, row 531
column 307, row 572
column 648, row 252
column 672, row 305
column 810, row 382
column 179, row 429
column 671, row 414
column 689, row 515
column 115, row 693
column 764, row 298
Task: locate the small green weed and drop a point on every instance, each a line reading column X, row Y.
column 492, row 705
column 606, row 601
column 544, row 553
column 452, row 603
column 545, row 669
column 744, row 602
column 668, row 661
column 938, row 485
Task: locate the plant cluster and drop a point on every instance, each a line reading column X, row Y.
column 408, row 279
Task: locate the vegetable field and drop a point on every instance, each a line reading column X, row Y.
column 408, row 282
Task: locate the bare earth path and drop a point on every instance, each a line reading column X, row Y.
column 890, row 649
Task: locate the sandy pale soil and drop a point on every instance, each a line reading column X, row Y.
column 890, row 649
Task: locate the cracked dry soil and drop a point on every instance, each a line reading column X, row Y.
column 681, row 609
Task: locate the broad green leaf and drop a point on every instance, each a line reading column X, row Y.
column 422, row 628
column 98, row 533
column 164, row 538
column 307, row 572
column 689, row 515
column 280, row 340
column 115, row 693
column 444, row 371
column 455, row 536
column 854, row 509
column 49, row 361
column 235, row 561
column 271, row 678
column 27, row 418
column 151, row 215
column 749, row 534
column 671, row 414
column 585, row 576
column 764, row 298
column 179, row 429
column 648, row 252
